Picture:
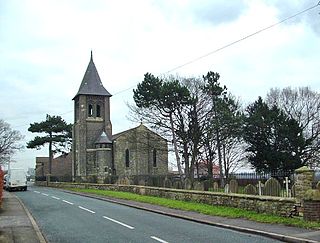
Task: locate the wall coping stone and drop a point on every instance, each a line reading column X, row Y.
column 303, row 169
column 312, row 195
column 244, row 196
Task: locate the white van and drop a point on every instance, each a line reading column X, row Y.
column 16, row 179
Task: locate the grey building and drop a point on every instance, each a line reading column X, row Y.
column 99, row 154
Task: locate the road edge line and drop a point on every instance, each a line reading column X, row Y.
column 35, row 226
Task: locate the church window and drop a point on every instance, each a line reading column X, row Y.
column 90, row 110
column 154, row 155
column 127, row 157
column 98, row 111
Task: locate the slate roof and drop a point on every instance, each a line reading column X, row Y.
column 91, row 83
column 103, row 139
column 117, row 135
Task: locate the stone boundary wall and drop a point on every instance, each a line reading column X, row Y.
column 261, row 204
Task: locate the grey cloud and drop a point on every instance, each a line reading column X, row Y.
column 289, row 7
column 203, row 11
column 218, row 12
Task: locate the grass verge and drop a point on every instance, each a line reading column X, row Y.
column 204, row 208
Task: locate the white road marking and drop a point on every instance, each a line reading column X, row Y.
column 67, row 202
column 44, row 194
column 116, row 221
column 55, row 197
column 87, row 209
column 158, row 239
column 36, row 192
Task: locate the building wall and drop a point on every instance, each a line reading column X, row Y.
column 141, row 143
column 85, row 132
column 61, row 166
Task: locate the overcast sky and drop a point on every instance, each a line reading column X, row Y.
column 45, row 49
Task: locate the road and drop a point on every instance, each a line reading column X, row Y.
column 65, row 217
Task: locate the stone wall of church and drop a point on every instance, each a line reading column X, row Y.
column 148, row 153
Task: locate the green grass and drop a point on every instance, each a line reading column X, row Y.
column 204, row 208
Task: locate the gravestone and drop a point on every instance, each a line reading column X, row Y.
column 198, row 186
column 167, row 183
column 126, row 181
column 177, row 184
column 207, row 185
column 272, row 187
column 250, row 190
column 187, row 184
column 226, row 188
column 215, row 186
column 233, row 186
column 123, row 181
column 293, row 190
column 142, row 182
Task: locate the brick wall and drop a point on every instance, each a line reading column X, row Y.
column 311, row 210
column 61, row 165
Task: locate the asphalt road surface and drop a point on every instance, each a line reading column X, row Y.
column 64, row 217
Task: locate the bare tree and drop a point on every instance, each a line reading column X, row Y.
column 9, row 141
column 303, row 105
column 233, row 154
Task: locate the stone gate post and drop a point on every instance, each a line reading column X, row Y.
column 303, row 181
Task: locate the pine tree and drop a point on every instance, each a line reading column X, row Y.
column 58, row 136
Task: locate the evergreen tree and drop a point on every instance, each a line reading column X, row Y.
column 58, row 136
column 275, row 140
column 165, row 101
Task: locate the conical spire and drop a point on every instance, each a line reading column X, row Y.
column 91, row 83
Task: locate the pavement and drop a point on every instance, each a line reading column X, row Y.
column 16, row 223
column 18, row 226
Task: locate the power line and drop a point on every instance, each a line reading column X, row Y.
column 243, row 38
column 219, row 49
column 232, row 43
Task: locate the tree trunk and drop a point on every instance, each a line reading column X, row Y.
column 225, row 164
column 50, row 157
column 186, row 160
column 222, row 182
column 175, row 146
column 209, row 161
column 50, row 153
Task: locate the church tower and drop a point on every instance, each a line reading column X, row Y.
column 92, row 130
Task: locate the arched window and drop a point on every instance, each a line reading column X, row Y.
column 154, row 155
column 127, row 158
column 98, row 111
column 90, row 110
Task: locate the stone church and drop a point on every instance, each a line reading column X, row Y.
column 97, row 152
